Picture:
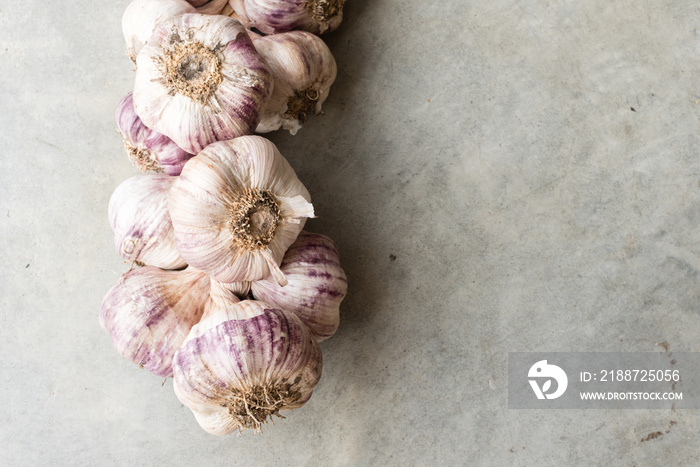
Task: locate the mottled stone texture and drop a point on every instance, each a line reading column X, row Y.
column 498, row 176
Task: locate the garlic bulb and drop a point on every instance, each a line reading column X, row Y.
column 274, row 16
column 138, row 214
column 147, row 149
column 200, row 80
column 317, row 284
column 149, row 312
column 303, row 69
column 236, row 208
column 142, row 16
column 243, row 363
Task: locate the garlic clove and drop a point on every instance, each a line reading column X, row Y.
column 149, row 150
column 142, row 16
column 275, row 16
column 138, row 214
column 303, row 69
column 236, row 208
column 243, row 363
column 149, row 313
column 200, row 80
column 316, row 284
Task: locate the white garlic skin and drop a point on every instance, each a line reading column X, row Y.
column 236, row 10
column 275, row 16
column 304, row 69
column 149, row 313
column 238, row 354
column 149, row 150
column 142, row 16
column 200, row 80
column 206, row 196
column 317, row 284
column 138, row 214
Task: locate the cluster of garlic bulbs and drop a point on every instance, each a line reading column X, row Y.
column 227, row 294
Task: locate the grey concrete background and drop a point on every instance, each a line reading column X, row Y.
column 532, row 166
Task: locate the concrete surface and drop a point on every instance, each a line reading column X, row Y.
column 499, row 176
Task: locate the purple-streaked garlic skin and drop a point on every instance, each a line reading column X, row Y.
column 138, row 215
column 304, row 70
column 275, row 16
column 142, row 16
column 150, row 311
column 200, row 80
column 204, row 198
column 316, row 284
column 236, row 348
column 149, row 150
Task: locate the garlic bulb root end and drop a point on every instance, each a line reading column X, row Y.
column 251, row 408
column 300, row 104
column 190, row 68
column 145, row 160
column 324, row 10
column 254, row 218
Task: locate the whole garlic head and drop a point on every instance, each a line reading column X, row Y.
column 200, row 80
column 274, row 16
column 138, row 214
column 149, row 312
column 149, row 150
column 142, row 16
column 317, row 284
column 243, row 363
column 303, row 69
column 236, row 208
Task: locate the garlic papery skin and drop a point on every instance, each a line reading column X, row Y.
column 149, row 312
column 200, row 80
column 243, row 363
column 317, row 284
column 142, row 16
column 236, row 208
column 149, row 150
column 275, row 16
column 138, row 214
column 303, row 69
column 239, row 289
column 236, row 10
